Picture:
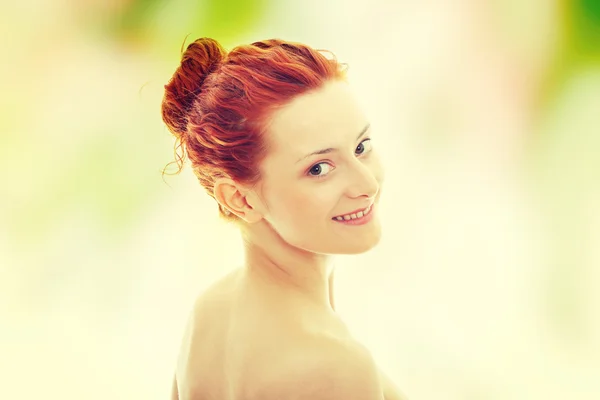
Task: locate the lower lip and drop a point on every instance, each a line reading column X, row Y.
column 358, row 221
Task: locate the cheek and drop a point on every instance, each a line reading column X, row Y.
column 376, row 168
column 303, row 222
column 301, row 208
column 305, row 209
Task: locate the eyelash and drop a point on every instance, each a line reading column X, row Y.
column 324, row 162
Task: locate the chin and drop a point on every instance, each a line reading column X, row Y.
column 343, row 246
column 356, row 240
column 360, row 243
column 360, row 248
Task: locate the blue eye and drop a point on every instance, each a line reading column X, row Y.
column 317, row 170
column 364, row 146
column 322, row 169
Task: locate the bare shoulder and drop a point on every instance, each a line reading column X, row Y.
column 325, row 368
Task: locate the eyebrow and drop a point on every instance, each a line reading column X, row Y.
column 331, row 149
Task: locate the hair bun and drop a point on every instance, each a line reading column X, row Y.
column 199, row 59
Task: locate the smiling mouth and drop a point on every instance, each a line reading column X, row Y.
column 353, row 216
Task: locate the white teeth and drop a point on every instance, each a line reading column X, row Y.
column 359, row 214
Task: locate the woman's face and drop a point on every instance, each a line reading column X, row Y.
column 321, row 164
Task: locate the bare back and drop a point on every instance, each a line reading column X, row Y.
column 240, row 341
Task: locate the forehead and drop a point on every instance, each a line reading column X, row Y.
column 327, row 117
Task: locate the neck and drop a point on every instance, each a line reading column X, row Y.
column 286, row 269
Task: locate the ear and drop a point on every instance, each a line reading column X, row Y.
column 234, row 197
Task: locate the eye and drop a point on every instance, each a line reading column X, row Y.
column 364, row 146
column 320, row 170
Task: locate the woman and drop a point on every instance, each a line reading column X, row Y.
column 276, row 137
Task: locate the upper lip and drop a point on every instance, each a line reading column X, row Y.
column 355, row 211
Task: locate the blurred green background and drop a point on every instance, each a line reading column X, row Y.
column 486, row 284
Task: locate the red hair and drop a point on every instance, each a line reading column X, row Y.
column 217, row 104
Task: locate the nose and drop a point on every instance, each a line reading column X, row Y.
column 364, row 180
